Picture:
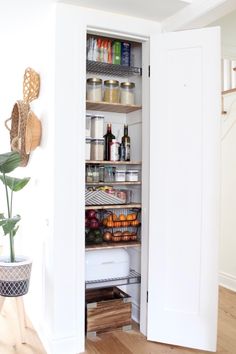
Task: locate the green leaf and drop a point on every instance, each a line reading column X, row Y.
column 9, row 161
column 15, row 184
column 15, row 230
column 9, row 224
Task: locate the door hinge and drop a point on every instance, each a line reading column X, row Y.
column 149, row 69
column 147, row 296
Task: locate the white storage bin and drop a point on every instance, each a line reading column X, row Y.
column 106, row 264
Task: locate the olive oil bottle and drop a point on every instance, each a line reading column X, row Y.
column 125, row 142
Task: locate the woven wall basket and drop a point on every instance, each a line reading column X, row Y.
column 25, row 130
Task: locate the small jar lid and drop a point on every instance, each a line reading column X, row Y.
column 111, row 83
column 94, row 80
column 88, row 140
column 98, row 140
column 120, row 171
column 97, row 117
column 88, row 115
column 127, row 85
column 132, row 171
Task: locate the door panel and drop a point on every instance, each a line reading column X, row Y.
column 184, row 188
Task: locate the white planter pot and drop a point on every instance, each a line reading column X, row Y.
column 14, row 277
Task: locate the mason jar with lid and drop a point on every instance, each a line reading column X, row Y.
column 97, row 126
column 94, row 89
column 127, row 93
column 97, row 149
column 111, row 91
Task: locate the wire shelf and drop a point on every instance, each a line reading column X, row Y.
column 133, row 278
column 98, row 67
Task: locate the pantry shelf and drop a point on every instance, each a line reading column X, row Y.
column 132, row 278
column 112, row 183
column 108, row 69
column 122, row 163
column 113, row 206
column 107, row 245
column 111, row 107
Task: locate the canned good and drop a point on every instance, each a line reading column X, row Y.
column 94, row 89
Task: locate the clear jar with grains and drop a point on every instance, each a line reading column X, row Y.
column 94, row 89
column 127, row 93
column 111, row 91
column 97, row 149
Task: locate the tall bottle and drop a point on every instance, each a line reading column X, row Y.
column 126, row 144
column 107, row 140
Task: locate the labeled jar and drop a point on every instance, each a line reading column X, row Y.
column 95, row 174
column 97, row 149
column 120, row 175
column 111, row 91
column 97, row 127
column 114, row 150
column 89, row 174
column 127, row 93
column 132, row 175
column 88, row 149
column 94, row 89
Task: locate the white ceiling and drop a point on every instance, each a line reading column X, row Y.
column 156, row 10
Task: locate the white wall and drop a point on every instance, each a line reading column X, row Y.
column 26, row 33
column 228, row 194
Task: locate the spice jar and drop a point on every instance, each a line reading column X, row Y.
column 111, row 91
column 109, row 174
column 94, row 89
column 97, row 126
column 120, row 175
column 97, row 149
column 127, row 93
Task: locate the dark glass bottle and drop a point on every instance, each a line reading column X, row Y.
column 126, row 144
column 107, row 140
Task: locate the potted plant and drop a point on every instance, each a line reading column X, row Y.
column 14, row 270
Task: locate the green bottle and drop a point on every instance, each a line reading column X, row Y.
column 126, row 144
column 107, row 140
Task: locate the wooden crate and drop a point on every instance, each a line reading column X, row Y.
column 107, row 309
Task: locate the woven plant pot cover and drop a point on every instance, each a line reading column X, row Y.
column 14, row 277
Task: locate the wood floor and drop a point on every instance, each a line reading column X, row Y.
column 134, row 343
column 120, row 342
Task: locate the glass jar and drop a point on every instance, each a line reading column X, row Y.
column 111, row 91
column 132, row 175
column 101, row 173
column 120, row 175
column 109, row 174
column 95, row 174
column 114, row 150
column 89, row 174
column 88, row 125
column 97, row 149
column 97, row 127
column 94, row 89
column 127, row 93
column 88, row 149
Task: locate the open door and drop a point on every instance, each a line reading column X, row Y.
column 184, row 188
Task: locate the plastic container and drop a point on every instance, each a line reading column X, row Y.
column 88, row 125
column 94, row 89
column 132, row 175
column 127, row 93
column 97, row 127
column 120, row 176
column 109, row 174
column 97, row 149
column 88, row 149
column 111, row 91
column 114, row 150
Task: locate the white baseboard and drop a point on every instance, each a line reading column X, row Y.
column 227, row 281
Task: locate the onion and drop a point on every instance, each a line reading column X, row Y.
column 94, row 223
column 90, row 214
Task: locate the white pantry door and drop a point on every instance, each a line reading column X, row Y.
column 184, row 188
